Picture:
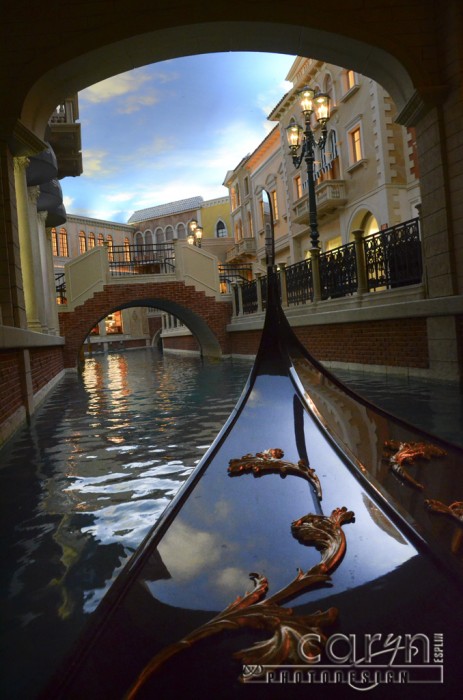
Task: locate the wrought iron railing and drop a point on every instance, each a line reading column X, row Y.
column 393, row 257
column 249, row 297
column 60, row 288
column 231, row 274
column 141, row 259
column 338, row 272
column 299, row 282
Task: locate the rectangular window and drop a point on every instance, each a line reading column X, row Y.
column 273, row 195
column 63, row 243
column 54, row 242
column 298, row 186
column 355, row 145
column 350, row 79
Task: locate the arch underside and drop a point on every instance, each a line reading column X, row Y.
column 210, row 346
column 136, row 51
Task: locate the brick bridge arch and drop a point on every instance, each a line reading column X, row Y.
column 206, row 317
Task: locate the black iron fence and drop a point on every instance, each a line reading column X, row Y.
column 338, row 272
column 392, row 258
column 141, row 259
column 232, row 274
column 299, row 284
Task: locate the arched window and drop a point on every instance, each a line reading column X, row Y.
column 109, row 241
column 181, row 232
column 221, row 229
column 63, row 243
column 82, row 242
column 159, row 236
column 148, row 238
column 54, row 242
column 169, row 233
column 126, row 249
column 138, row 238
column 91, row 240
column 100, row 239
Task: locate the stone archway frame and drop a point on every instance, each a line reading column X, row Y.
column 91, row 66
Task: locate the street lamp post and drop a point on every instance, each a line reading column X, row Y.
column 196, row 233
column 318, row 104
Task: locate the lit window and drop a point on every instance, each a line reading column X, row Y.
column 63, row 243
column 100, row 239
column 54, row 242
column 110, row 243
column 91, row 241
column 273, row 195
column 349, row 80
column 82, row 242
column 126, row 250
column 298, row 186
column 355, row 145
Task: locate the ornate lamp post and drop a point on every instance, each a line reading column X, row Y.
column 318, row 104
column 196, row 233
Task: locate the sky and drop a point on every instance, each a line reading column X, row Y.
column 171, row 130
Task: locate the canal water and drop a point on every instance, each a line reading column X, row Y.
column 103, row 456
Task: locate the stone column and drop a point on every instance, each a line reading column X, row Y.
column 39, row 258
column 240, row 298
column 234, row 309
column 315, row 258
column 25, row 243
column 362, row 282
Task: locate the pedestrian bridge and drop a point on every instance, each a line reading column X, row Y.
column 178, row 278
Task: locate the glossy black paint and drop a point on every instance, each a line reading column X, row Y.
column 399, row 574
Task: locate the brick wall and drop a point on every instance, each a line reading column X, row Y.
column 10, row 384
column 76, row 325
column 395, row 343
column 46, row 363
column 183, row 342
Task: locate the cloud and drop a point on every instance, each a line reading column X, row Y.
column 67, row 201
column 134, row 103
column 115, row 87
column 95, row 163
column 120, row 197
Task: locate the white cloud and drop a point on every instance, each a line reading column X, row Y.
column 120, row 197
column 95, row 163
column 116, row 86
column 67, row 201
column 133, row 103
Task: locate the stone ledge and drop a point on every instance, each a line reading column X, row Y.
column 13, row 338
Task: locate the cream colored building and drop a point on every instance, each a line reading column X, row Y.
column 366, row 176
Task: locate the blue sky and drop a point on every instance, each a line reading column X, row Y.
column 171, row 130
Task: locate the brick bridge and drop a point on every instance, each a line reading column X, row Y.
column 191, row 293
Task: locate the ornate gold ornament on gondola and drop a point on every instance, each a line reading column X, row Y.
column 400, row 453
column 270, row 462
column 254, row 610
column 454, row 510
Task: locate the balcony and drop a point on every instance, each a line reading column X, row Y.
column 65, row 138
column 331, row 195
column 245, row 249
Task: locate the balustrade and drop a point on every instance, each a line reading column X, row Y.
column 384, row 260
